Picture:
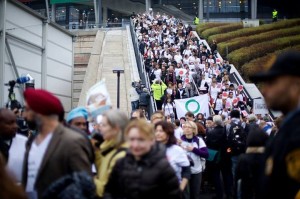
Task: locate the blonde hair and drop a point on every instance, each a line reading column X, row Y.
column 145, row 128
column 193, row 125
column 157, row 115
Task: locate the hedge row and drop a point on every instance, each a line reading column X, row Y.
column 243, row 55
column 261, row 63
column 221, row 29
column 240, row 42
column 222, row 37
column 204, row 26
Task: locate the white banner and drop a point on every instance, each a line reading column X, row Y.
column 98, row 99
column 259, row 107
column 195, row 105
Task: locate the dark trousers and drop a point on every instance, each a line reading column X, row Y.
column 135, row 105
column 227, row 180
column 158, row 104
column 195, row 185
column 213, row 171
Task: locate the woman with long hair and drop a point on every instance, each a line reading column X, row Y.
column 168, row 108
column 164, row 133
column 113, row 148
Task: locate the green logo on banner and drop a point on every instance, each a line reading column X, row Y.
column 192, row 101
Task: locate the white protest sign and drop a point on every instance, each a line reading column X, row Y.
column 259, row 107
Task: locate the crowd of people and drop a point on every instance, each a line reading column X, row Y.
column 114, row 156
column 179, row 66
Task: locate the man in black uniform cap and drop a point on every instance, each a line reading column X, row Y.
column 281, row 89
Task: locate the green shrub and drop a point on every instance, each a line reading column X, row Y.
column 246, row 54
column 204, row 26
column 261, row 63
column 222, row 37
column 240, row 42
column 221, row 29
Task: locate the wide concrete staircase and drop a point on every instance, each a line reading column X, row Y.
column 107, row 49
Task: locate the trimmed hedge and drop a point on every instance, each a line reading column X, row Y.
column 261, row 63
column 240, row 42
column 243, row 55
column 204, row 26
column 222, row 37
column 221, row 29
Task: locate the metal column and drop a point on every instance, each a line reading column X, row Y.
column 44, row 54
column 148, row 5
column 104, row 19
column 207, row 10
column 100, row 18
column 253, row 9
column 200, row 10
column 2, row 49
column 53, row 7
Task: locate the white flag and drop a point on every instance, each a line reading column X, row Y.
column 98, row 99
column 195, row 105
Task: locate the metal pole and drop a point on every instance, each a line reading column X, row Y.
column 118, row 90
column 2, row 48
column 44, row 55
column 47, row 9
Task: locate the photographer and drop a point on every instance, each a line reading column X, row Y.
column 134, row 96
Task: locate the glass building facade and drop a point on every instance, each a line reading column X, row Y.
column 80, row 13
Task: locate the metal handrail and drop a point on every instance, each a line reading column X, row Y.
column 141, row 67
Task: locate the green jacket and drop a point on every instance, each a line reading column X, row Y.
column 196, row 21
column 158, row 90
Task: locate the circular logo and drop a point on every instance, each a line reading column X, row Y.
column 194, row 107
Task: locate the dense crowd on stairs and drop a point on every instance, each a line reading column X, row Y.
column 112, row 155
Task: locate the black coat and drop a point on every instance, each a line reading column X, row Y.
column 249, row 170
column 282, row 179
column 216, row 138
column 150, row 178
column 144, row 98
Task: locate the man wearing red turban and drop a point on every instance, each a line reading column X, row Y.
column 55, row 151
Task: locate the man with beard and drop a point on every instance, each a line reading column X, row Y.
column 12, row 145
column 281, row 91
column 55, row 151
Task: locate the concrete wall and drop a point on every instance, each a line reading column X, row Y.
column 41, row 49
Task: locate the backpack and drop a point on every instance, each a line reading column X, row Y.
column 236, row 137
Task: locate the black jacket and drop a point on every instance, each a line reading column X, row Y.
column 151, row 177
column 216, row 138
column 144, row 98
column 282, row 179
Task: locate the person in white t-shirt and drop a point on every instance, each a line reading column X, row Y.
column 164, row 133
column 178, row 132
column 196, row 148
column 56, row 151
